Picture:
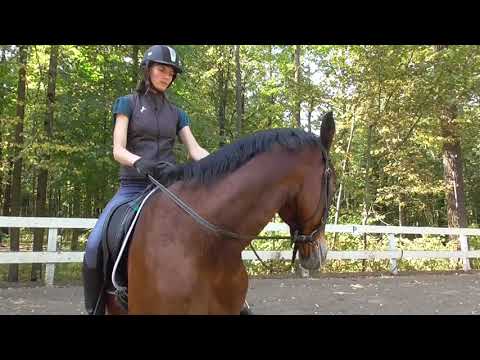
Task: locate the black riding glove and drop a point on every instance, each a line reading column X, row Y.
column 146, row 167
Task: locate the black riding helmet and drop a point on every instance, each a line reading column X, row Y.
column 163, row 55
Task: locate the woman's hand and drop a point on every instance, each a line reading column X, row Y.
column 146, row 167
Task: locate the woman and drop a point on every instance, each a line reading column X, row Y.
column 146, row 125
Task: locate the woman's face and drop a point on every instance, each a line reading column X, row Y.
column 161, row 76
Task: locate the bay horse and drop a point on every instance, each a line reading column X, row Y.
column 177, row 266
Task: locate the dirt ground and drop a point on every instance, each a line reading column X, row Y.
column 452, row 294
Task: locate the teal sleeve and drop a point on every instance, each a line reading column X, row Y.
column 183, row 120
column 122, row 106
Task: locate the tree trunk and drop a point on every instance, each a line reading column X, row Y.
column 5, row 175
column 76, row 214
column 41, row 200
column 239, row 92
column 222, row 88
column 33, row 205
column 51, row 202
column 309, row 116
column 298, row 80
column 59, row 203
column 2, row 121
column 453, row 169
column 344, row 168
column 7, row 199
column 366, row 196
column 402, row 218
column 135, row 51
column 2, row 124
column 452, row 161
column 17, row 158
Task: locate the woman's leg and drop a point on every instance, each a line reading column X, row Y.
column 92, row 262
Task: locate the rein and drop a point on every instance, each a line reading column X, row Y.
column 185, row 207
column 215, row 229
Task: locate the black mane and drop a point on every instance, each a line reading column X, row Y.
column 230, row 157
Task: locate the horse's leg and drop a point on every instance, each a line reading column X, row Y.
column 233, row 293
column 244, row 289
column 112, row 306
column 246, row 309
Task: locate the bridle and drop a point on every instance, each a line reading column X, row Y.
column 296, row 239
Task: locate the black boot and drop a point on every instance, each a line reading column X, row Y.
column 93, row 290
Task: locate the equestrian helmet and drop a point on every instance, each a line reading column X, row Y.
column 162, row 54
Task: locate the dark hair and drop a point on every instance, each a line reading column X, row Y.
column 144, row 84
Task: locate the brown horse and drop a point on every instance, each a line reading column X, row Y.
column 178, row 266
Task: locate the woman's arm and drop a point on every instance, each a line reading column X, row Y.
column 195, row 151
column 120, row 153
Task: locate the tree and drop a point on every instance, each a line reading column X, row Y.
column 222, row 81
column 17, row 157
column 452, row 155
column 239, row 91
column 45, row 138
column 298, row 81
column 135, row 51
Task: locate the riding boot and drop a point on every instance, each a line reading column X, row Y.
column 93, row 290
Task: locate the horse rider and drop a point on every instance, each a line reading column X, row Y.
column 146, row 125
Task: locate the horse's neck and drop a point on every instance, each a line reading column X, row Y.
column 248, row 198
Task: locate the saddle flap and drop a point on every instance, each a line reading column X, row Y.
column 114, row 235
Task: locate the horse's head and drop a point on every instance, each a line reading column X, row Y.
column 306, row 210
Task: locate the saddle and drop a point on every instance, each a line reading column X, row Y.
column 116, row 234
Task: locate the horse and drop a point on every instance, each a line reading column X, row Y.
column 178, row 265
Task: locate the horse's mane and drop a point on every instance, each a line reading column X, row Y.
column 232, row 156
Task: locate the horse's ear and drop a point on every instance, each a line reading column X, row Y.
column 327, row 130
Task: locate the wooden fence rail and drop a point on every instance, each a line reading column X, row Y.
column 52, row 256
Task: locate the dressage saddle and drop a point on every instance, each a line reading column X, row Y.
column 113, row 236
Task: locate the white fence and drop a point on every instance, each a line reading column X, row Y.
column 52, row 256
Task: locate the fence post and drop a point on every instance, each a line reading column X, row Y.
column 51, row 246
column 392, row 241
column 464, row 247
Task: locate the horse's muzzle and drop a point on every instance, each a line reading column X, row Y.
column 317, row 258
